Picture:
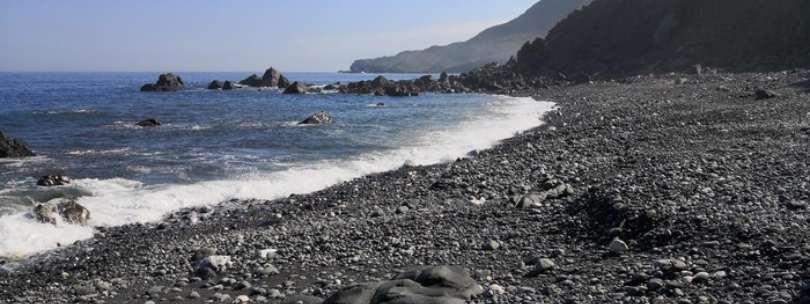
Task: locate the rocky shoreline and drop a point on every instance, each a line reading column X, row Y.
column 676, row 189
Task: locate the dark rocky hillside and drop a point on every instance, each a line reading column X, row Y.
column 495, row 44
column 612, row 37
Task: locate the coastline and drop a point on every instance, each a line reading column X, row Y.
column 691, row 168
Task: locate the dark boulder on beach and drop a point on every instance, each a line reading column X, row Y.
column 215, row 85
column 166, row 83
column 319, row 118
column 151, row 122
column 12, row 147
column 53, row 180
column 296, row 88
column 766, row 94
column 425, row 284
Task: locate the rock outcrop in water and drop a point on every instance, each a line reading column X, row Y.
column 271, row 78
column 12, row 147
column 150, row 122
column 166, row 83
column 215, row 85
column 296, row 88
column 319, row 118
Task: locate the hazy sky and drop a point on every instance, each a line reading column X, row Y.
column 184, row 35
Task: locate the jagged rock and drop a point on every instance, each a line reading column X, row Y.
column 318, row 119
column 165, row 83
column 274, row 78
column 53, row 180
column 215, row 85
column 151, row 122
column 11, row 147
column 296, row 88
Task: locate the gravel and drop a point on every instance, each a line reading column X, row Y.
column 705, row 184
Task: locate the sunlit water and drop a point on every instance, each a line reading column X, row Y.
column 215, row 145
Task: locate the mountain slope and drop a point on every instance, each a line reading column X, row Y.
column 642, row 36
column 495, row 44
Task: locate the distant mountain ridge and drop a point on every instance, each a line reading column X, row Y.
column 495, row 44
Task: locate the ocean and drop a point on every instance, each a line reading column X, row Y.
column 214, row 145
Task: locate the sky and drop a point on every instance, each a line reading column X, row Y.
column 233, row 36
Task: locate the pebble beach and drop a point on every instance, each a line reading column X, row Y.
column 647, row 189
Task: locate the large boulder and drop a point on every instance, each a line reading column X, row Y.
column 319, row 118
column 215, row 85
column 73, row 213
column 380, row 82
column 252, row 81
column 274, row 78
column 420, row 285
column 296, row 88
column 11, row 147
column 166, row 83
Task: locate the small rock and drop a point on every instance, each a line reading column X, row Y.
column 543, row 265
column 492, row 245
column 617, row 246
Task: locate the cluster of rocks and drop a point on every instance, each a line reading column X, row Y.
column 69, row 211
column 166, row 83
column 271, row 78
column 12, row 147
column 53, row 180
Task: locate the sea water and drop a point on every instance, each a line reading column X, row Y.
column 215, row 145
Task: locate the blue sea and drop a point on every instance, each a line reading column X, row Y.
column 215, row 145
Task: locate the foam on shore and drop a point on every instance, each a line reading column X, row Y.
column 114, row 202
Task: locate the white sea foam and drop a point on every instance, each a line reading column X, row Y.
column 99, row 152
column 119, row 201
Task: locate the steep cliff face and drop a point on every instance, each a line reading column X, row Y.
column 641, row 36
column 495, row 44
